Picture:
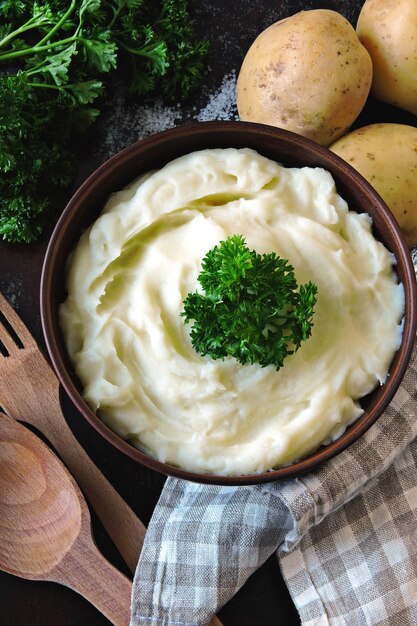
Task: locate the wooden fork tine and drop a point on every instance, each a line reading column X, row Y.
column 8, row 345
column 16, row 324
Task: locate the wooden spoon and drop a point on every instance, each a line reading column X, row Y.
column 45, row 528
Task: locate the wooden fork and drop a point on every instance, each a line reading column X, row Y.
column 29, row 391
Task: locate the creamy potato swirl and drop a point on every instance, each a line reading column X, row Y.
column 130, row 272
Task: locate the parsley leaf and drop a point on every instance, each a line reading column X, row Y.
column 252, row 308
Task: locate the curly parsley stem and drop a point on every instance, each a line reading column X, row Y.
column 29, row 25
column 35, row 49
column 46, row 86
column 116, row 13
column 58, row 25
column 32, row 23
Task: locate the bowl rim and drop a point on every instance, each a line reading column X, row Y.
column 192, row 131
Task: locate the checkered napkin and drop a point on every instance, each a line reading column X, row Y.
column 345, row 535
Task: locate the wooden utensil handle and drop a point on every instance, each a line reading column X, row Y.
column 88, row 573
column 43, row 410
column 120, row 522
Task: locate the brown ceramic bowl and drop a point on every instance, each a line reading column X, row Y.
column 290, row 150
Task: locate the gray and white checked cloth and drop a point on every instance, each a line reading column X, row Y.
column 345, row 535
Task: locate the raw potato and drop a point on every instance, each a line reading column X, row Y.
column 386, row 155
column 388, row 29
column 307, row 73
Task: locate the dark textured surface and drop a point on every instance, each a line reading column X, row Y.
column 230, row 27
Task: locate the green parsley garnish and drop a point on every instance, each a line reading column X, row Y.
column 252, row 308
column 56, row 59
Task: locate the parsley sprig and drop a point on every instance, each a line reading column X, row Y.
column 252, row 308
column 56, row 58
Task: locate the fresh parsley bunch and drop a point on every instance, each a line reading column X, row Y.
column 56, row 58
column 252, row 308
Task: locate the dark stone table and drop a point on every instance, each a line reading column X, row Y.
column 230, row 27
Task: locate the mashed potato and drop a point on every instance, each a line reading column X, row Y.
column 131, row 271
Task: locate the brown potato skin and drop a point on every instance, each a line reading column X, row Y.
column 307, row 73
column 386, row 155
column 388, row 30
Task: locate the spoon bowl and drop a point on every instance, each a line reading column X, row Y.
column 33, row 491
column 45, row 526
